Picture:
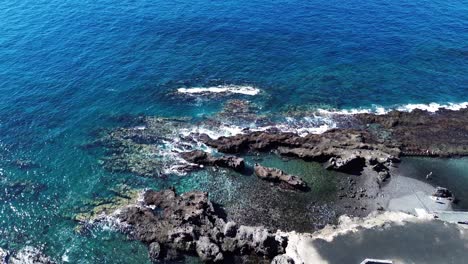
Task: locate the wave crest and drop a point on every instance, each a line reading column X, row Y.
column 380, row 110
column 221, row 89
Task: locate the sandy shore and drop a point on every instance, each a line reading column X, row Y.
column 405, row 194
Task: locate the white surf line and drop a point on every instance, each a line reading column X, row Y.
column 234, row 89
column 380, row 110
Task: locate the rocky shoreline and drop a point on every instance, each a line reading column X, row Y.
column 343, row 150
column 173, row 225
column 366, row 147
column 443, row 133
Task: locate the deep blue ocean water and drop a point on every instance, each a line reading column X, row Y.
column 68, row 67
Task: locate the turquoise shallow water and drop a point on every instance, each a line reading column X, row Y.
column 68, row 68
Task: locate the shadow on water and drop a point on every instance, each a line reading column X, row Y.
column 426, row 242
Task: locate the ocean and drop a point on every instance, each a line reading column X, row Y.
column 69, row 69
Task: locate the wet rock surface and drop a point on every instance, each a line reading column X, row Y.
column 284, row 180
column 202, row 158
column 342, row 150
column 172, row 224
column 366, row 149
column 422, row 133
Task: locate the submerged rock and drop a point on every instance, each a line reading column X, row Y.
column 203, row 158
column 95, row 209
column 21, row 189
column 25, row 164
column 276, row 175
column 172, row 224
column 423, row 133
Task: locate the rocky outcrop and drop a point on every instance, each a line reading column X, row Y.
column 282, row 259
column 284, row 180
column 422, row 133
column 202, row 158
column 27, row 255
column 351, row 163
column 442, row 192
column 172, row 224
column 152, row 148
column 343, row 150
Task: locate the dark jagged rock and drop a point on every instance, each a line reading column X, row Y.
column 203, row 158
column 258, row 141
column 275, row 175
column 351, row 163
column 344, row 150
column 423, row 133
column 442, row 192
column 188, row 224
column 208, row 251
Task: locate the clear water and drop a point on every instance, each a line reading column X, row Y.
column 68, row 67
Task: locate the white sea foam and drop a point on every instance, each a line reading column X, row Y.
column 65, row 257
column 433, row 107
column 223, row 130
column 317, row 123
column 380, row 110
column 302, row 127
column 221, row 89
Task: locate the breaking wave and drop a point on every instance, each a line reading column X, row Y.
column 184, row 138
column 380, row 110
column 221, row 89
